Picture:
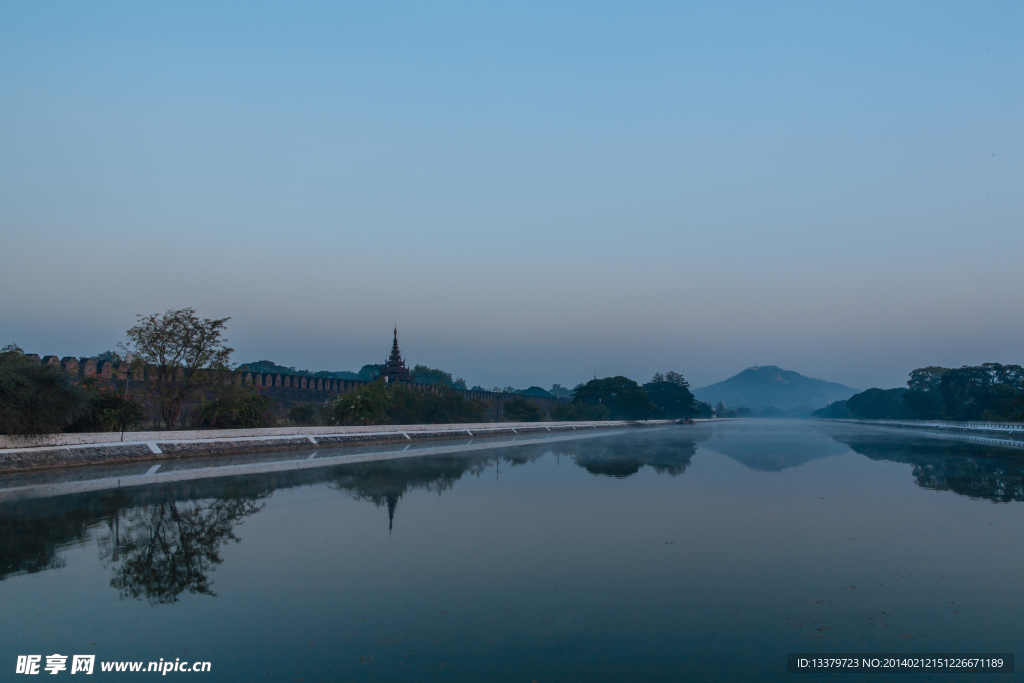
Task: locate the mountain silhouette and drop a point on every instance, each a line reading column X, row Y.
column 766, row 449
column 769, row 385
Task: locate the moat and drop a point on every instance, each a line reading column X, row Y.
column 703, row 552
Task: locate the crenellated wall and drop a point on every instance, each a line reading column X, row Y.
column 324, row 388
column 288, row 389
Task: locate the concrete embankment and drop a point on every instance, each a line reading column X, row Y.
column 998, row 433
column 74, row 450
column 1006, row 428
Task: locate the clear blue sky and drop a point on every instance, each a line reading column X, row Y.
column 535, row 193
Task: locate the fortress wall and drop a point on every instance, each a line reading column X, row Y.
column 288, row 389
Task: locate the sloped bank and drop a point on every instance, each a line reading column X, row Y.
column 1004, row 428
column 76, row 450
column 991, row 433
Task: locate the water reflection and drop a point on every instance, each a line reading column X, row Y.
column 160, row 551
column 975, row 470
column 625, row 455
column 162, row 541
column 158, row 541
column 384, row 483
column 772, row 447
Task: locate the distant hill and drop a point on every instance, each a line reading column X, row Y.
column 769, row 385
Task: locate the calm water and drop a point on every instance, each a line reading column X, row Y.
column 701, row 552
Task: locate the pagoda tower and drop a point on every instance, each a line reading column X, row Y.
column 394, row 370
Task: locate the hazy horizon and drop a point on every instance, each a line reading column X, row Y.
column 534, row 194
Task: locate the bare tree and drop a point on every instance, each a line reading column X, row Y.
column 187, row 354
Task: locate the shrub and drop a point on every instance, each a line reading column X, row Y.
column 441, row 407
column 107, row 411
column 380, row 403
column 236, row 406
column 702, row 409
column 521, row 410
column 575, row 412
column 834, row 410
column 1016, row 409
column 624, row 398
column 305, row 414
column 35, row 398
column 368, row 405
column 878, row 404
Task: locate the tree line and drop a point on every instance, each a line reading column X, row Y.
column 187, row 355
column 666, row 396
column 193, row 383
column 987, row 392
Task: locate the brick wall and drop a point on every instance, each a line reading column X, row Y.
column 288, row 389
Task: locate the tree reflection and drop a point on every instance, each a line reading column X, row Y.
column 159, row 541
column 623, row 456
column 163, row 541
column 34, row 532
column 163, row 550
column 29, row 544
column 975, row 470
column 384, row 483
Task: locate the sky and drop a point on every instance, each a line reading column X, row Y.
column 533, row 192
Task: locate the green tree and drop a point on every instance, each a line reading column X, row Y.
column 425, row 375
column 188, row 355
column 671, row 393
column 305, row 414
column 983, row 392
column 878, row 404
column 35, row 398
column 439, row 407
column 107, row 410
column 836, row 410
column 923, row 399
column 368, row 405
column 368, row 373
column 560, row 391
column 926, row 379
column 702, row 409
column 521, row 410
column 1015, row 413
column 379, row 403
column 923, row 405
column 268, row 367
column 534, row 391
column 235, row 406
column 580, row 412
column 624, row 398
